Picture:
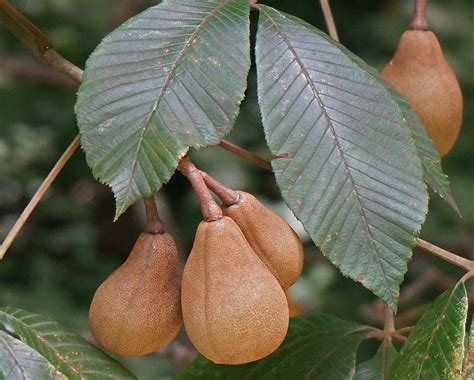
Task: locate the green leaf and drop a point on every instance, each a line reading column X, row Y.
column 377, row 367
column 18, row 361
column 435, row 348
column 67, row 352
column 345, row 160
column 316, row 347
column 168, row 79
column 434, row 176
column 468, row 366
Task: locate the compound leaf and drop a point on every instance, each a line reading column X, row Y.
column 67, row 352
column 168, row 79
column 345, row 160
column 20, row 362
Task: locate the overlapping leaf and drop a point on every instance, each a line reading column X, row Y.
column 345, row 160
column 377, row 367
column 20, row 362
column 316, row 347
column 433, row 173
column 67, row 352
column 435, row 348
column 168, row 79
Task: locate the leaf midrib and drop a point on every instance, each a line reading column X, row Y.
column 336, row 137
column 45, row 343
column 166, row 85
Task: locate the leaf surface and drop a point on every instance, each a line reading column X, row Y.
column 20, row 362
column 316, row 347
column 67, row 352
column 435, row 348
column 345, row 160
column 168, row 79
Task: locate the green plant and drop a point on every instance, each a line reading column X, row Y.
column 350, row 157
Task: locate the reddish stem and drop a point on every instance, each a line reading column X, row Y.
column 153, row 222
column 245, row 154
column 228, row 196
column 210, row 209
column 418, row 20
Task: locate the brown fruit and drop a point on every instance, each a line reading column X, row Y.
column 419, row 71
column 234, row 310
column 272, row 239
column 137, row 309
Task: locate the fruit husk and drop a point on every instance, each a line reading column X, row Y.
column 419, row 71
column 234, row 310
column 137, row 308
column 272, row 239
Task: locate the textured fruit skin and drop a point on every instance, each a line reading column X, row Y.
column 137, row 308
column 272, row 239
column 419, row 71
column 234, row 310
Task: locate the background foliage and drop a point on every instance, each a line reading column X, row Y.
column 70, row 245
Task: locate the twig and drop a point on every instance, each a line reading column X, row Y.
column 153, row 222
column 35, row 40
column 245, row 154
column 327, row 13
column 210, row 209
column 418, row 21
column 34, row 71
column 459, row 261
column 38, row 195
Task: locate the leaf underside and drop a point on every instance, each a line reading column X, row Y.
column 67, row 352
column 377, row 367
column 20, row 362
column 168, row 79
column 316, row 347
column 346, row 163
column 435, row 348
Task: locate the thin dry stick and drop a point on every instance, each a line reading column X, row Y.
column 327, row 13
column 153, row 222
column 459, row 261
column 38, row 195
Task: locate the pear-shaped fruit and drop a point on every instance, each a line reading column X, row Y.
column 419, row 71
column 234, row 310
column 272, row 239
column 137, row 308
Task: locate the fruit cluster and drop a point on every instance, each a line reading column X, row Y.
column 232, row 299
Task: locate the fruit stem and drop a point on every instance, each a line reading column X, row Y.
column 210, row 209
column 388, row 323
column 153, row 222
column 418, row 20
column 228, row 196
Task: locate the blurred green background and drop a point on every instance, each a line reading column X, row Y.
column 70, row 244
